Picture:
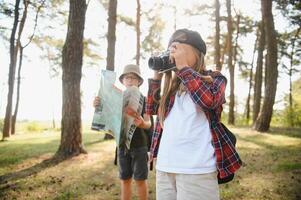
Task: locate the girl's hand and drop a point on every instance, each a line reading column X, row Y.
column 157, row 75
column 208, row 79
column 180, row 55
column 96, row 101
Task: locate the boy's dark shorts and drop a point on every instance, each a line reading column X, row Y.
column 133, row 163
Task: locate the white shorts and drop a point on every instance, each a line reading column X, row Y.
column 171, row 186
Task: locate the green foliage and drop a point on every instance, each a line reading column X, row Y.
column 291, row 10
column 293, row 115
column 290, row 117
column 90, row 56
column 66, row 196
column 270, row 159
column 153, row 40
column 278, row 118
column 34, row 127
column 127, row 20
column 289, row 166
column 6, row 13
column 22, row 147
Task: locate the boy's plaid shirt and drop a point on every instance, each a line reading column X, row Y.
column 209, row 96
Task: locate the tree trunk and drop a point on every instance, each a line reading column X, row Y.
column 217, row 48
column 291, row 120
column 258, row 73
column 264, row 119
column 236, row 40
column 71, row 133
column 19, row 47
column 111, row 35
column 231, row 118
column 251, row 82
column 14, row 117
column 138, row 32
column 11, row 75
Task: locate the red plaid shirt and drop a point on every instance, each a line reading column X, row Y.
column 209, row 96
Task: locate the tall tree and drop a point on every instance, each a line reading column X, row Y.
column 290, row 72
column 19, row 48
column 248, row 110
column 231, row 117
column 290, row 49
column 11, row 76
column 138, row 33
column 292, row 115
column 111, row 35
column 291, row 40
column 217, row 53
column 21, row 53
column 71, row 131
column 263, row 121
column 258, row 73
column 111, row 38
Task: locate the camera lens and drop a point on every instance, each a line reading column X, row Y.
column 160, row 62
column 155, row 63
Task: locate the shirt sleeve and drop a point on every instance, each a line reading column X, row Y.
column 153, row 96
column 206, row 95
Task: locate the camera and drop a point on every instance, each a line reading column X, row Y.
column 161, row 62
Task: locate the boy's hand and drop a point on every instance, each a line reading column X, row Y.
column 129, row 111
column 138, row 119
column 96, row 101
column 139, row 122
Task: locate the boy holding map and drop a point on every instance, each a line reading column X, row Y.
column 133, row 161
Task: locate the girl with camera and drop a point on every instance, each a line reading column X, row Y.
column 190, row 151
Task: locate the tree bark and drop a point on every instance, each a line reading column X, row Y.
column 11, row 74
column 249, row 96
column 71, row 133
column 19, row 48
column 264, row 119
column 293, row 40
column 258, row 73
column 217, row 54
column 111, row 35
column 231, row 118
column 250, row 83
column 138, row 33
column 14, row 117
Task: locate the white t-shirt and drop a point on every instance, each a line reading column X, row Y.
column 185, row 145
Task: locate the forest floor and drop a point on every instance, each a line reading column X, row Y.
column 271, row 170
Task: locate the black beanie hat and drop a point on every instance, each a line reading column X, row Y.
column 190, row 37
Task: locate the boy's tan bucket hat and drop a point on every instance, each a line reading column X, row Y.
column 131, row 69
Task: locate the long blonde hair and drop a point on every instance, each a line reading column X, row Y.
column 172, row 84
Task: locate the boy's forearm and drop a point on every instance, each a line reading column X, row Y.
column 146, row 125
column 146, row 121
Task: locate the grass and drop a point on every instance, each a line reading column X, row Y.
column 272, row 167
